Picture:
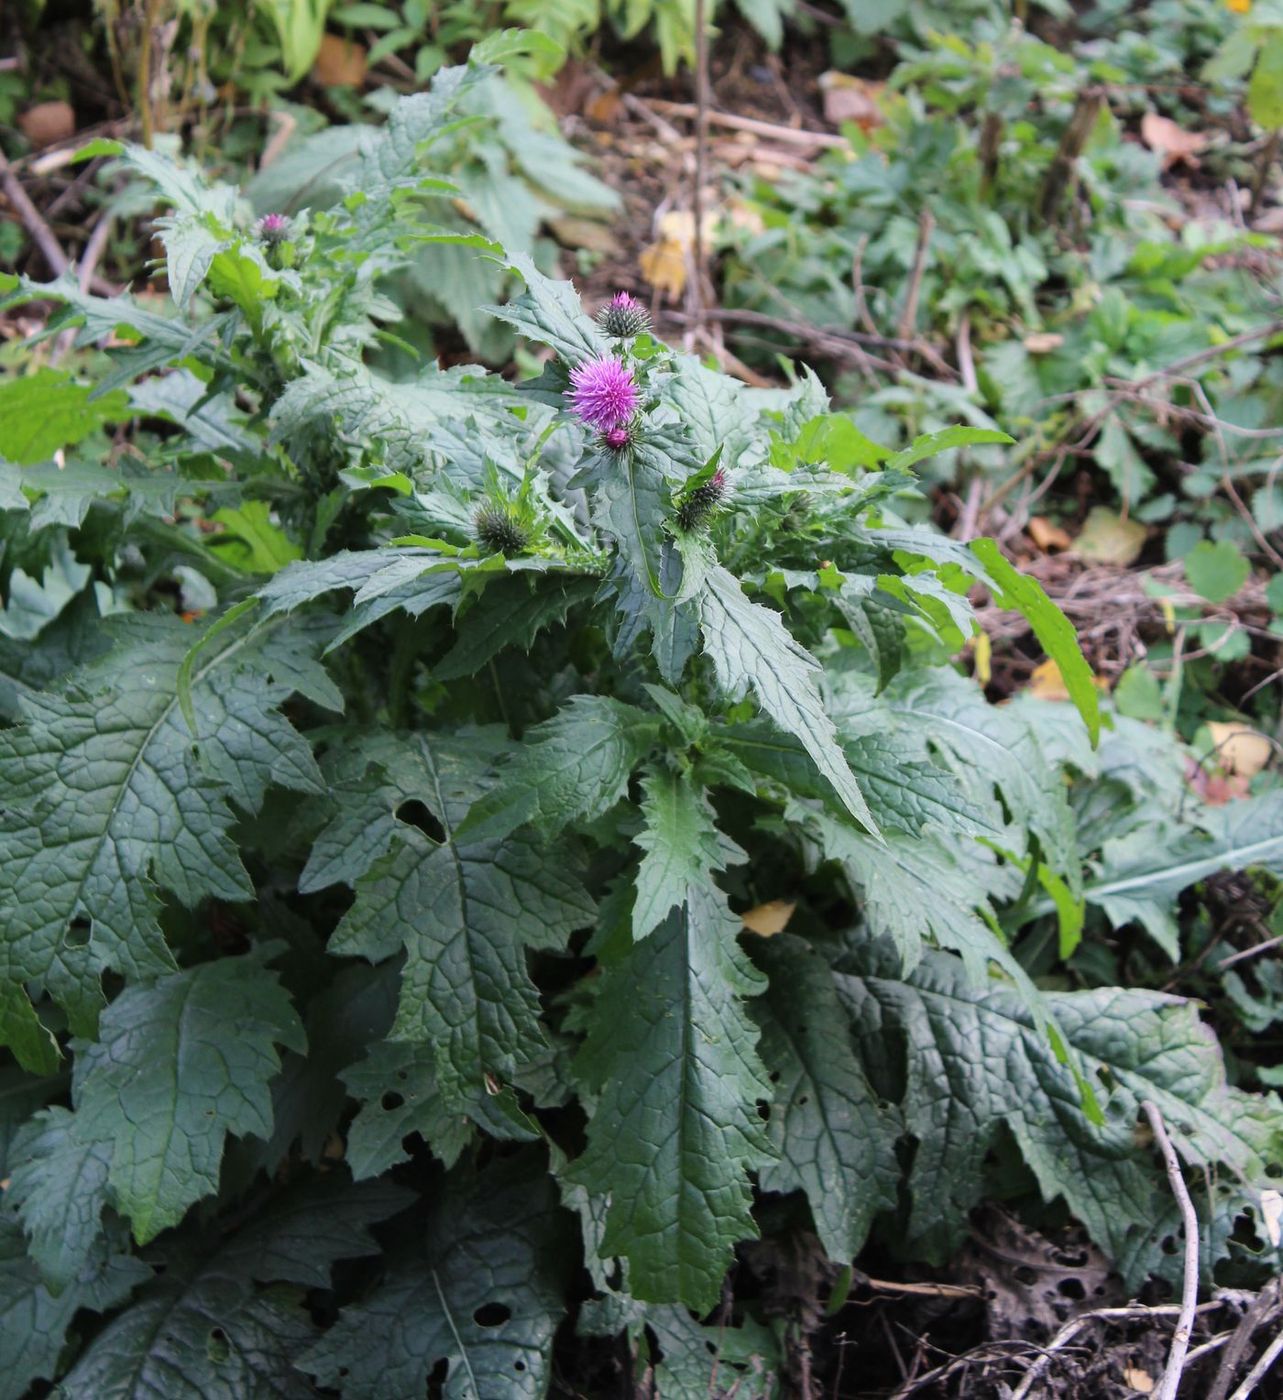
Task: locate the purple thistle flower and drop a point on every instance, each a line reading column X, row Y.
column 618, row 437
column 604, row 394
column 623, row 315
column 273, row 228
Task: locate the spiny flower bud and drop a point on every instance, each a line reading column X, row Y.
column 273, row 228
column 604, row 393
column 699, row 505
column 623, row 316
column 499, row 531
column 620, row 436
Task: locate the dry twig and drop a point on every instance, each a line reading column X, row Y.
column 1189, row 1291
column 1267, row 1359
column 790, row 134
column 29, row 215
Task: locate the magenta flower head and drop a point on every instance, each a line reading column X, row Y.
column 623, row 315
column 604, row 393
column 273, row 228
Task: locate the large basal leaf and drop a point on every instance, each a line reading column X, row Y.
column 177, row 1066
column 675, row 1130
column 752, row 649
column 465, row 911
column 574, row 765
column 972, row 1062
column 831, row 1135
column 480, row 1289
column 204, row 1328
column 34, row 1322
column 108, row 794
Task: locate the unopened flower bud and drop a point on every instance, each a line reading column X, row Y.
column 699, row 505
column 623, row 316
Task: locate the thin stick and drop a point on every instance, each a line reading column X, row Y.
column 1268, row 1357
column 788, row 134
column 701, row 155
column 41, row 234
column 909, row 316
column 1189, row 1292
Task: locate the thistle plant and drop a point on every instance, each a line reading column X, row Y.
column 390, row 909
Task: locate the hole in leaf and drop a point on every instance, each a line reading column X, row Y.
column 1274, row 1169
column 764, row 1110
column 78, row 932
column 775, row 1076
column 391, row 1100
column 518, row 1365
column 804, row 1100
column 491, row 1315
column 414, row 813
column 1169, row 1245
column 217, row 1346
column 1071, row 1288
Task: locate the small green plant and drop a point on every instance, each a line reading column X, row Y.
column 388, row 767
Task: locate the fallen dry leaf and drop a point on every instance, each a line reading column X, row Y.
column 1048, row 536
column 1106, row 538
column 340, row 62
column 1046, row 682
column 1238, row 748
column 770, row 918
column 664, row 264
column 1173, row 143
column 47, row 123
column 571, row 231
column 1140, row 1381
column 1043, row 342
column 850, row 99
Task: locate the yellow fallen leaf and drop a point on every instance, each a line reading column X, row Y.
column 1239, row 7
column 982, row 652
column 1140, row 1381
column 1046, row 535
column 1239, row 748
column 769, row 918
column 1046, row 682
column 663, row 265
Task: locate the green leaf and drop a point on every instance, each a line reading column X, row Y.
column 43, row 412
column 399, row 1094
column 1265, row 87
column 250, row 541
column 974, row 1063
column 674, row 1134
column 682, row 846
column 632, row 502
column 944, row 441
column 550, row 312
column 34, row 1322
column 1052, row 628
column 1143, row 872
column 88, row 857
column 478, row 1289
column 1217, row 571
column 466, row 911
column 573, row 766
column 512, row 611
column 178, row 1065
column 203, row 1328
column 832, row 1138
column 34, row 1047
column 59, row 1188
column 751, row 648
